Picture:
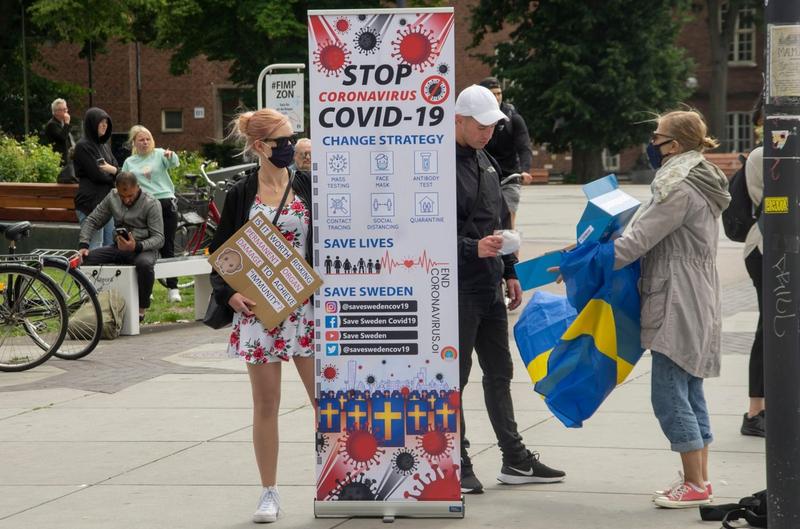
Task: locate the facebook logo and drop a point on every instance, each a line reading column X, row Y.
column 331, row 322
column 332, row 349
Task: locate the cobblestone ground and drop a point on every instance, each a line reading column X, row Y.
column 128, row 360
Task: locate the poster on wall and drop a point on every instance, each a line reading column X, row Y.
column 383, row 144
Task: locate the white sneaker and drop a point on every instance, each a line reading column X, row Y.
column 268, row 506
column 174, row 295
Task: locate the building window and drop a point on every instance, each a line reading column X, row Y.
column 740, row 132
column 610, row 161
column 171, row 121
column 743, row 43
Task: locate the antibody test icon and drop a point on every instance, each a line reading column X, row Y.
column 426, row 162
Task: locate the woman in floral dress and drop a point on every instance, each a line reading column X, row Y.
column 268, row 136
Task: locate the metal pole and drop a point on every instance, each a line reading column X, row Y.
column 90, row 58
column 781, row 224
column 24, row 74
column 138, row 82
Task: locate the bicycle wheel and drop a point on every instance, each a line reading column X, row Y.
column 33, row 317
column 85, row 323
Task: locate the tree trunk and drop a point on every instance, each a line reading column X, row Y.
column 720, row 29
column 587, row 164
column 718, row 96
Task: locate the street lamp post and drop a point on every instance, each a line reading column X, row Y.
column 781, row 225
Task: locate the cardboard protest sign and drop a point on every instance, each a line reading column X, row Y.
column 261, row 265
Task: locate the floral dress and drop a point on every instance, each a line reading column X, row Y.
column 294, row 336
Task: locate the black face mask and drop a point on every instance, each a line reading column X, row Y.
column 283, row 155
column 654, row 153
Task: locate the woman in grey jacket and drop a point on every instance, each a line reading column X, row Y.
column 675, row 234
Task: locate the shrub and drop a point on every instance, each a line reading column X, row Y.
column 27, row 160
column 190, row 164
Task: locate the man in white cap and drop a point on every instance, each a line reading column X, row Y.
column 483, row 266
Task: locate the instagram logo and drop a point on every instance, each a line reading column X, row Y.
column 331, row 307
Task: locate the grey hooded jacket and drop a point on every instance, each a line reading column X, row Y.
column 143, row 219
column 677, row 241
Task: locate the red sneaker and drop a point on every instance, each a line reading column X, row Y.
column 678, row 482
column 683, row 496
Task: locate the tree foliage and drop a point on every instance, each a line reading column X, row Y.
column 96, row 21
column 587, row 75
column 250, row 33
column 41, row 91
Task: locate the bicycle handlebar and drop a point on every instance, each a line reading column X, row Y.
column 514, row 178
column 211, row 184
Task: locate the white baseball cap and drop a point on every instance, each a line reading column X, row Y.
column 480, row 103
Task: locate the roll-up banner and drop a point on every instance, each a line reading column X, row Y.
column 383, row 151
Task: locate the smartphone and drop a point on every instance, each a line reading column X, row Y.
column 122, row 232
column 100, row 161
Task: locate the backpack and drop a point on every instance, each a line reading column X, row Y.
column 112, row 305
column 741, row 213
column 752, row 509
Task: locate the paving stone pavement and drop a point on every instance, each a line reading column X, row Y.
column 128, row 360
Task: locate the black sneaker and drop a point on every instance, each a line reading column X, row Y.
column 530, row 470
column 754, row 425
column 470, row 484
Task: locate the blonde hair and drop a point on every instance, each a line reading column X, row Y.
column 135, row 131
column 688, row 128
column 256, row 125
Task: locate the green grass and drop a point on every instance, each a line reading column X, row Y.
column 161, row 311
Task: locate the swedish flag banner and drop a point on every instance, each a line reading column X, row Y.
column 577, row 349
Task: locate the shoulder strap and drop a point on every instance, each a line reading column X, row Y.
column 283, row 199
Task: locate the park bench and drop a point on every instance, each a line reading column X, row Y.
column 122, row 278
column 540, row 176
column 37, row 202
column 727, row 161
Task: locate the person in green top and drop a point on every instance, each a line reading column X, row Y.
column 151, row 166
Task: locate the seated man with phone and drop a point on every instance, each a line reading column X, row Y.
column 138, row 236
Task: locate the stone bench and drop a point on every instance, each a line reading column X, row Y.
column 122, row 278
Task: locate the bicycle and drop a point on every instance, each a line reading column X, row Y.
column 85, row 322
column 32, row 307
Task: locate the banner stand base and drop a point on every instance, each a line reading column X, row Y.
column 390, row 509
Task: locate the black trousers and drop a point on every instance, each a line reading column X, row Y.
column 169, row 213
column 144, row 263
column 754, row 263
column 483, row 326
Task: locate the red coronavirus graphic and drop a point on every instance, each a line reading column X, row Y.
column 329, row 373
column 454, row 399
column 331, row 58
column 342, row 25
column 439, row 485
column 416, row 47
column 359, row 448
column 435, row 444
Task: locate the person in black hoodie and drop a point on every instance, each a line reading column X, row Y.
column 483, row 266
column 268, row 135
column 95, row 168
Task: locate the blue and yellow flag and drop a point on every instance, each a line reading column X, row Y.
column 598, row 347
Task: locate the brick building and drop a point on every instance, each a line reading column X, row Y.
column 186, row 111
column 182, row 112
